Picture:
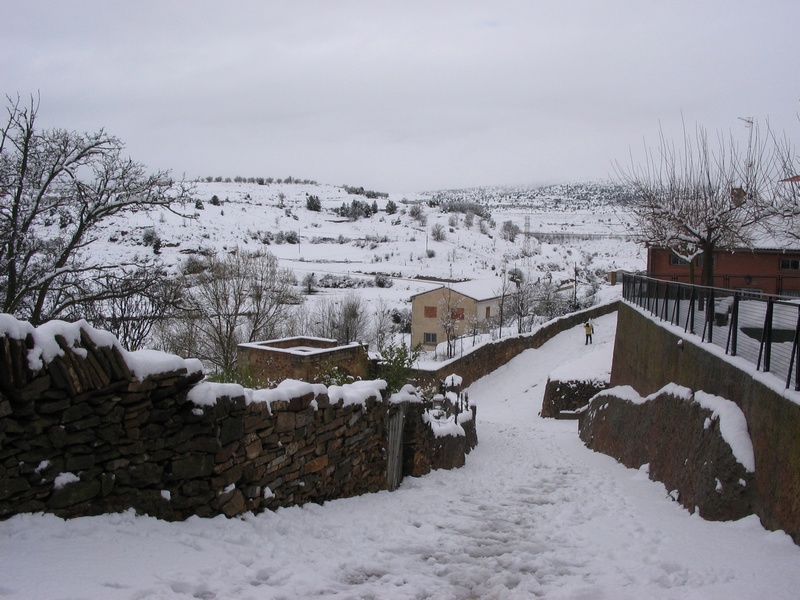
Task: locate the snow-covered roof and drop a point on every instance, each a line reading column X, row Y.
column 300, row 348
column 766, row 239
column 478, row 289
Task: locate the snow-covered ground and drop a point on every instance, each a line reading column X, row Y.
column 579, row 228
column 532, row 514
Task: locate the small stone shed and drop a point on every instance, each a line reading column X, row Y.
column 302, row 358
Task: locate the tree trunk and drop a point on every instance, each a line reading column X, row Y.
column 707, row 277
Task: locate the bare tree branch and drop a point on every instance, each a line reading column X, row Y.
column 709, row 195
column 56, row 188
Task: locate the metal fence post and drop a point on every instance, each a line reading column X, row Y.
column 711, row 313
column 648, row 294
column 690, row 317
column 765, row 349
column 665, row 305
column 733, row 330
column 794, row 361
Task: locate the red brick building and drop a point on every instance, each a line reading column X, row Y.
column 765, row 271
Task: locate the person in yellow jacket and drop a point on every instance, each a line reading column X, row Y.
column 588, row 328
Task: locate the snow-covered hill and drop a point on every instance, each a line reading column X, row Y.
column 569, row 227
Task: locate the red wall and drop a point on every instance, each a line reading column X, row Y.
column 744, row 269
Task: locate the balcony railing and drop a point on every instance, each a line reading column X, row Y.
column 761, row 329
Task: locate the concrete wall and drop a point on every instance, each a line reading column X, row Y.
column 647, row 357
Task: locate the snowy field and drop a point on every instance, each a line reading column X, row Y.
column 533, row 514
column 584, row 233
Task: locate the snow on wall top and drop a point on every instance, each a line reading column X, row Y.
column 408, row 393
column 732, row 422
column 207, row 393
column 299, row 349
column 453, row 380
column 443, row 425
column 142, row 363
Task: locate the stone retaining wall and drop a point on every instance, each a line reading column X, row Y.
column 562, row 398
column 648, row 356
column 681, row 443
column 87, row 428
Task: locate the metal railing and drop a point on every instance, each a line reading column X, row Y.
column 761, row 329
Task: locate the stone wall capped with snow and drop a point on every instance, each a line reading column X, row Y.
column 648, row 357
column 698, row 447
column 87, row 428
column 563, row 397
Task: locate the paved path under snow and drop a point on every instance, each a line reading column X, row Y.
column 533, row 514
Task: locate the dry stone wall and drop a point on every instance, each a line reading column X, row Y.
column 424, row 451
column 87, row 428
column 562, row 399
column 681, row 443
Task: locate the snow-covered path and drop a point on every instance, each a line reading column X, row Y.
column 532, row 514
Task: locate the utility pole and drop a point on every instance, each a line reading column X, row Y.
column 575, row 288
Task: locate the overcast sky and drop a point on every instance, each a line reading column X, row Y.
column 401, row 96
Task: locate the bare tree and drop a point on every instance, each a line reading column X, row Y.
column 297, row 321
column 704, row 196
column 323, row 320
column 242, row 297
column 509, row 231
column 56, row 188
column 504, row 293
column 547, row 301
column 450, row 313
column 438, row 234
column 787, row 189
column 353, row 318
column 132, row 316
column 382, row 325
column 344, row 319
column 521, row 301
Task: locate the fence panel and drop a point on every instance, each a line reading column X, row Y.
column 762, row 330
